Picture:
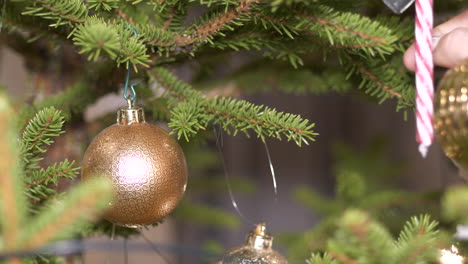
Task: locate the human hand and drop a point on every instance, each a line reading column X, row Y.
column 451, row 49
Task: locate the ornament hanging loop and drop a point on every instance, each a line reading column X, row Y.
column 132, row 94
column 126, row 94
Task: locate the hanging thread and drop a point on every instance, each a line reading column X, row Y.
column 125, row 246
column 155, row 249
column 220, row 145
column 272, row 170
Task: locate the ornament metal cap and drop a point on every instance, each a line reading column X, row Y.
column 130, row 115
column 258, row 238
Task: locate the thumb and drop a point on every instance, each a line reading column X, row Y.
column 450, row 51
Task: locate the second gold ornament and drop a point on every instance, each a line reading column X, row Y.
column 451, row 116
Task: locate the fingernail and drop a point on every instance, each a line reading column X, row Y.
column 435, row 41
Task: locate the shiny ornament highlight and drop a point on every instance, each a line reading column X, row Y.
column 146, row 165
column 450, row 256
column 257, row 250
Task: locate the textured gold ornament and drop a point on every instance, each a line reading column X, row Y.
column 146, row 165
column 257, row 250
column 451, row 115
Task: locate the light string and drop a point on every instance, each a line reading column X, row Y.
column 125, row 246
column 155, row 249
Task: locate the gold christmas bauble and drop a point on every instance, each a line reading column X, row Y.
column 451, row 115
column 146, row 165
column 256, row 250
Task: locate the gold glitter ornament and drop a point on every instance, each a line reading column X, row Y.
column 451, row 116
column 257, row 250
column 146, row 165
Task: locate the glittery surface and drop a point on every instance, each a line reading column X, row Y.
column 256, row 250
column 147, row 168
column 249, row 255
column 451, row 114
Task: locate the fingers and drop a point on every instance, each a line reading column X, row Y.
column 449, row 52
column 408, row 58
column 451, row 49
column 461, row 20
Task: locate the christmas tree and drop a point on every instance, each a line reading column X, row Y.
column 192, row 61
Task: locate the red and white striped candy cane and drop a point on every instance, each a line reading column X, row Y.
column 424, row 75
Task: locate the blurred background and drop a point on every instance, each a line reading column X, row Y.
column 352, row 129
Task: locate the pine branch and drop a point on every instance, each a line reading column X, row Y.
column 196, row 111
column 63, row 12
column 387, row 199
column 216, row 22
column 210, row 3
column 12, row 204
column 312, row 240
column 386, row 80
column 133, row 51
column 104, row 227
column 13, row 21
column 205, row 215
column 103, row 5
column 454, row 204
column 417, row 242
column 248, row 41
column 375, row 37
column 317, row 203
column 321, row 259
column 38, row 187
column 158, row 38
column 361, row 238
column 350, row 186
column 53, row 173
column 96, row 36
column 63, row 217
column 73, row 100
column 36, row 194
column 38, row 134
column 278, row 21
column 172, row 16
column 273, row 47
column 117, row 41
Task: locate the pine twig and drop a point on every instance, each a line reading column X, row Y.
column 11, row 202
column 211, row 26
column 63, row 11
column 64, row 169
column 80, row 204
column 379, row 83
column 195, row 111
column 40, row 131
